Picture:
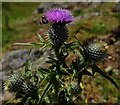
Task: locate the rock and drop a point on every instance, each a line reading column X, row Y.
column 109, row 69
column 17, row 58
column 118, row 43
column 116, row 72
column 5, row 97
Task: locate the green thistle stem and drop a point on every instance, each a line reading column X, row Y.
column 79, row 42
column 61, row 57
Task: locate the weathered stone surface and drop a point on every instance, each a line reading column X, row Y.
column 16, row 59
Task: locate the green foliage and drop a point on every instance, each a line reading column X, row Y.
column 99, row 28
column 78, row 12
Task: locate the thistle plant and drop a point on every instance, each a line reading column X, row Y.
column 59, row 84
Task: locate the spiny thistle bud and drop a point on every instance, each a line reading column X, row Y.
column 14, row 84
column 95, row 52
column 58, row 33
column 30, row 90
column 75, row 88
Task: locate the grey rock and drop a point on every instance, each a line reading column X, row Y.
column 17, row 58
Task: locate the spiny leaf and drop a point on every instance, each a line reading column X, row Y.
column 36, row 79
column 47, row 88
column 43, row 71
column 40, row 38
column 30, row 44
column 97, row 69
column 79, row 42
column 28, row 64
column 49, row 61
column 24, row 44
column 62, row 98
column 52, row 59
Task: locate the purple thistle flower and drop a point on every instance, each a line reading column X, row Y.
column 59, row 15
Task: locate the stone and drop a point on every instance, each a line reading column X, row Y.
column 16, row 59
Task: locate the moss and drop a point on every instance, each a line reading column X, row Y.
column 78, row 12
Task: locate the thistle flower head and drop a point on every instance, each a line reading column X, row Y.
column 95, row 52
column 58, row 15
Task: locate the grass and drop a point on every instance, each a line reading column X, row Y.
column 78, row 12
column 20, row 22
column 19, row 11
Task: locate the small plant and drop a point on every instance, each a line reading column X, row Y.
column 61, row 83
